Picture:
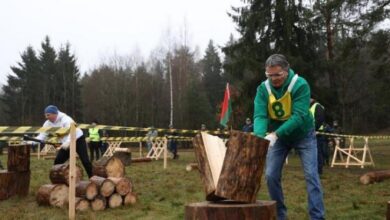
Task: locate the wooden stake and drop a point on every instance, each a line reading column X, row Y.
column 72, row 173
column 165, row 153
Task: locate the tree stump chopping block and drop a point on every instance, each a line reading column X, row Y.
column 14, row 183
column 19, row 158
column 230, row 210
column 108, row 167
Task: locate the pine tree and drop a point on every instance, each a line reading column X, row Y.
column 213, row 80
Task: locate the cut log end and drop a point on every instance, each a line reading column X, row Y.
column 99, row 203
column 82, row 204
column 115, row 200
column 130, row 199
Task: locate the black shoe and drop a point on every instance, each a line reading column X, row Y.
column 176, row 156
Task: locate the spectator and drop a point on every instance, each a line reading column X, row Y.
column 248, row 127
column 172, row 143
column 151, row 134
column 94, row 141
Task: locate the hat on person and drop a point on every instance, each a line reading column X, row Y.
column 52, row 109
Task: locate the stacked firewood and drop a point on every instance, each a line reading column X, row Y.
column 108, row 188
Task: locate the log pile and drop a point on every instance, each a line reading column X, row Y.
column 16, row 179
column 110, row 189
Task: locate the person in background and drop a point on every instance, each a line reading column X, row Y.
column 203, row 127
column 104, row 145
column 55, row 118
column 318, row 113
column 94, row 142
column 248, row 127
column 282, row 109
column 173, row 142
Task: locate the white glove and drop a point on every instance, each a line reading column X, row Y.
column 272, row 139
column 65, row 145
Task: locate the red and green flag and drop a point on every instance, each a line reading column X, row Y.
column 226, row 107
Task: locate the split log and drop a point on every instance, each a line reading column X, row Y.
column 122, row 185
column 19, row 158
column 14, row 183
column 375, row 176
column 82, row 204
column 115, row 200
column 86, row 189
column 106, row 186
column 98, row 203
column 191, row 166
column 261, row 210
column 108, row 167
column 140, row 160
column 130, row 198
column 124, row 156
column 59, row 174
column 53, row 194
column 231, row 172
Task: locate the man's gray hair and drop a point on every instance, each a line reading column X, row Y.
column 277, row 60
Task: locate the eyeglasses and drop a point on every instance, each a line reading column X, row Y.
column 274, row 75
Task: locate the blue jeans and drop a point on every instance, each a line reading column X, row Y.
column 306, row 148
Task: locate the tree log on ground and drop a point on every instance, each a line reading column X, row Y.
column 87, row 189
column 99, row 203
column 53, row 194
column 141, row 159
column 122, row 185
column 261, row 210
column 130, row 198
column 59, row 174
column 115, row 200
column 106, row 186
column 108, row 167
column 82, row 204
column 375, row 176
column 18, row 158
column 231, row 172
column 388, row 210
column 191, row 166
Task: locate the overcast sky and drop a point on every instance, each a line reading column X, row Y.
column 97, row 29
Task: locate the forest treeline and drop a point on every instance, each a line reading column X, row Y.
column 341, row 47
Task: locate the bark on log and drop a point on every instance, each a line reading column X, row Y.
column 229, row 210
column 59, row 174
column 130, row 198
column 106, row 186
column 108, row 167
column 14, row 183
column 125, row 157
column 140, row 160
column 87, row 189
column 53, row 194
column 242, row 167
column 375, row 176
column 99, row 203
column 115, row 200
column 122, row 185
column 19, row 158
column 191, row 166
column 82, row 204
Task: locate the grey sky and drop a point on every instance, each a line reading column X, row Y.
column 99, row 28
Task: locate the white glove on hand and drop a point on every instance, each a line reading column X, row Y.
column 272, row 139
column 65, row 145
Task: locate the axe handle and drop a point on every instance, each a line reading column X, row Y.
column 28, row 138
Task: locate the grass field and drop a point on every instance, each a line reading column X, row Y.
column 162, row 194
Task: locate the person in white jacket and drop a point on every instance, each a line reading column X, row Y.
column 55, row 118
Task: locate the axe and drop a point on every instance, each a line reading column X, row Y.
column 28, row 138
